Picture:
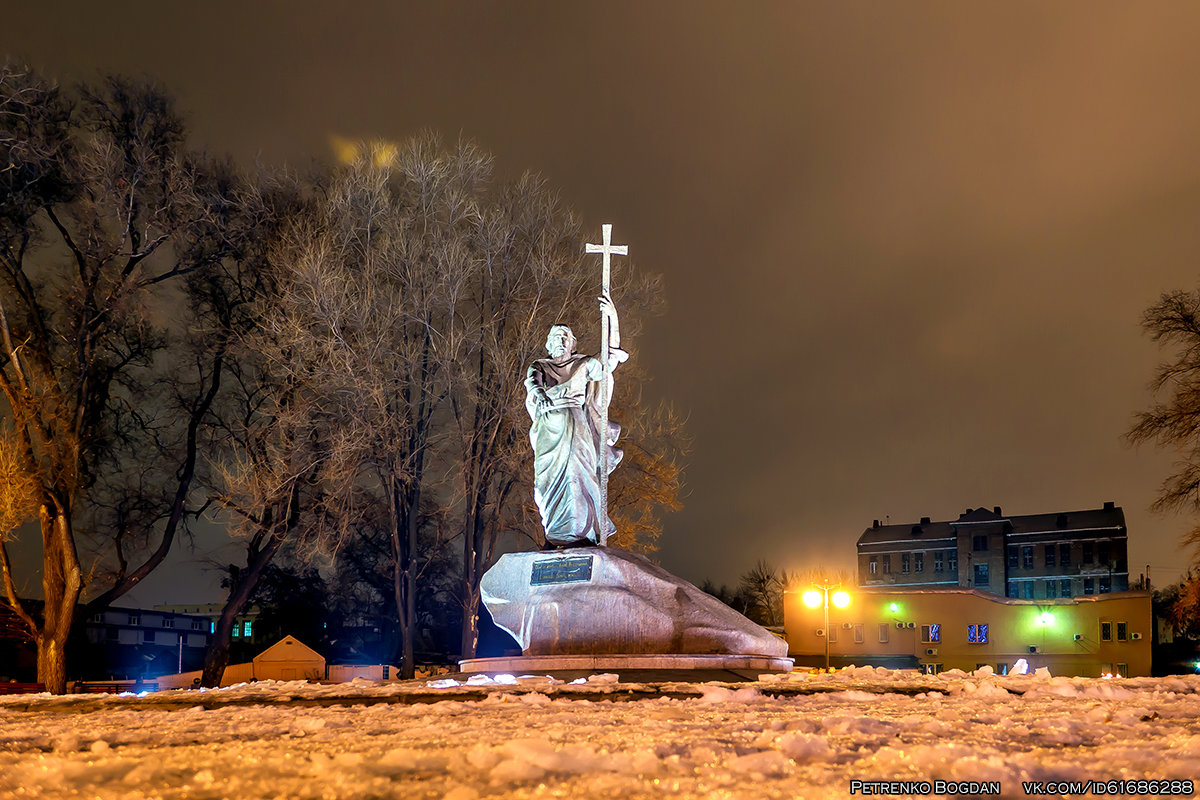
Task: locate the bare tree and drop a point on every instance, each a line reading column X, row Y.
column 102, row 213
column 1174, row 421
column 366, row 321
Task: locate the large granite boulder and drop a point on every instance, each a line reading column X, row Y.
column 597, row 600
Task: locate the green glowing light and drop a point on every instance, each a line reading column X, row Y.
column 1046, row 618
column 894, row 607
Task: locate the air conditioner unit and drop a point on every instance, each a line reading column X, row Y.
column 820, row 631
column 931, row 651
column 900, row 625
column 1033, row 648
column 847, row 626
column 1078, row 636
column 1135, row 636
column 910, row 625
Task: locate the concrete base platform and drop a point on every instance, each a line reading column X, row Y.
column 632, row 667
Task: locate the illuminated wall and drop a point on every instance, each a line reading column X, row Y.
column 940, row 629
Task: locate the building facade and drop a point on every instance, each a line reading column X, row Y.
column 1034, row 556
column 135, row 643
column 935, row 629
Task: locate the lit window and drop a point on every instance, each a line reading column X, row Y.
column 1122, row 631
column 134, row 619
column 246, row 629
column 1106, row 632
column 1105, row 584
column 981, row 574
column 874, row 565
column 1002, row 669
column 212, row 626
column 977, row 634
column 931, row 634
column 931, row 669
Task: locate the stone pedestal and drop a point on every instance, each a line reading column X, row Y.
column 594, row 601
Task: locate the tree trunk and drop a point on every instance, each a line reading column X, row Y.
column 216, row 659
column 62, row 584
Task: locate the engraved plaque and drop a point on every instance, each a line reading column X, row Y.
column 561, row 570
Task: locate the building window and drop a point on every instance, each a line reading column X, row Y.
column 981, row 574
column 1065, row 585
column 884, row 629
column 1027, row 590
column 859, row 634
column 1105, row 584
column 1027, row 557
column 887, row 565
column 112, row 634
column 246, row 629
column 952, row 561
column 931, row 669
column 905, row 566
column 134, row 619
column 1064, row 555
column 873, row 566
column 197, row 625
column 1049, row 555
column 1105, row 551
column 1089, row 586
column 1123, row 670
column 1122, row 631
column 1012, row 556
column 1051, row 590
column 1106, row 632
column 1010, row 589
column 977, row 634
column 918, row 562
column 98, row 617
column 980, row 543
column 931, row 634
column 148, row 637
column 1088, row 548
column 831, row 633
column 168, row 622
column 939, row 562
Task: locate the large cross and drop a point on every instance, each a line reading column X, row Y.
column 607, row 249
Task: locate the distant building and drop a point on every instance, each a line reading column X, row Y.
column 134, row 643
column 243, row 624
column 1033, row 556
column 935, row 629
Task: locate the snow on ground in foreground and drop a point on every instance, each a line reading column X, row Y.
column 269, row 740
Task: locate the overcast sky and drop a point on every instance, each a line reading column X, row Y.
column 906, row 246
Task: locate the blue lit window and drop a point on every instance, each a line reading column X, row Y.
column 931, row 633
column 246, row 629
column 977, row 634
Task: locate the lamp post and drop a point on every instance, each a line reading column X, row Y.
column 819, row 596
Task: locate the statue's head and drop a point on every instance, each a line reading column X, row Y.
column 560, row 342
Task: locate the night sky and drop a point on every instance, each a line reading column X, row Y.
column 906, row 246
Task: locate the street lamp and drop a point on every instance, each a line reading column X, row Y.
column 819, row 596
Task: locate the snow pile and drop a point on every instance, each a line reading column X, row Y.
column 799, row 735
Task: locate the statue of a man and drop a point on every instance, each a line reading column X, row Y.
column 563, row 397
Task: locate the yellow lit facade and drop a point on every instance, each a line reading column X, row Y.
column 940, row 629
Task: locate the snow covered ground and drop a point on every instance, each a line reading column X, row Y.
column 794, row 736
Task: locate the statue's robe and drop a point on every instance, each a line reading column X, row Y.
column 566, row 442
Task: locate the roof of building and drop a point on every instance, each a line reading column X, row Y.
column 1109, row 518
